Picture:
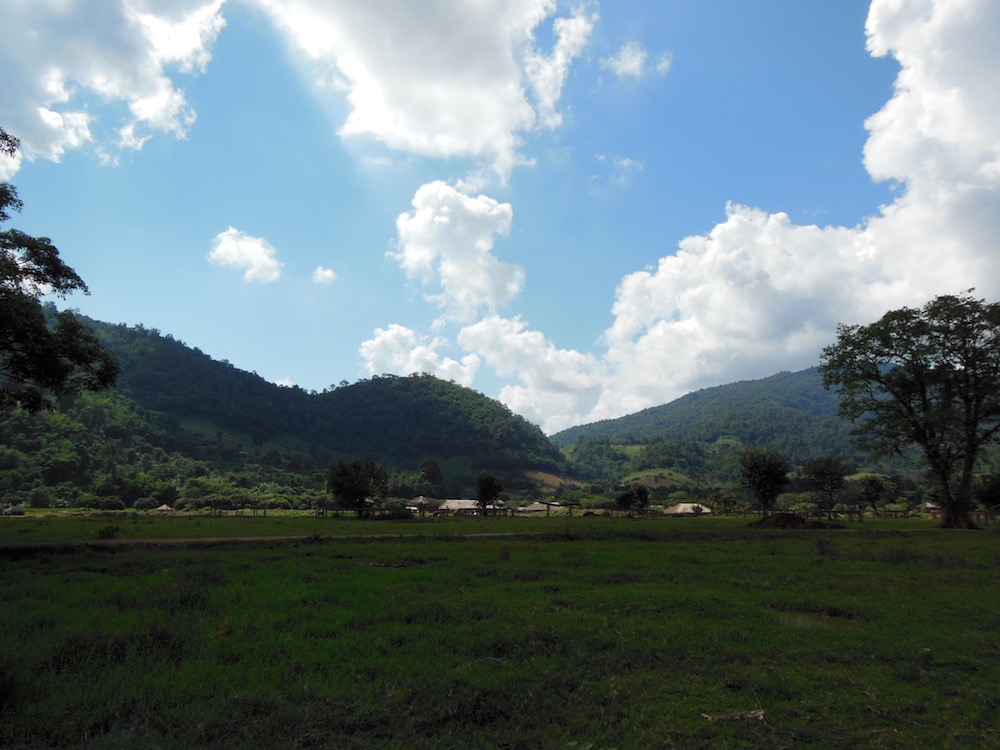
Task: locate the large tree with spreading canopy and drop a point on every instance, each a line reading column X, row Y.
column 43, row 353
column 928, row 378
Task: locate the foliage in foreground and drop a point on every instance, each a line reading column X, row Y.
column 622, row 634
column 43, row 354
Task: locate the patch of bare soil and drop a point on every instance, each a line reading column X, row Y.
column 791, row 521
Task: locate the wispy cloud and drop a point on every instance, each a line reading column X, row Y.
column 630, row 61
column 617, row 172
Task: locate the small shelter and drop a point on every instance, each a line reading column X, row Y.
column 458, row 506
column 688, row 509
column 164, row 509
column 535, row 507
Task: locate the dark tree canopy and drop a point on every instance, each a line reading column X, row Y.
column 636, row 497
column 763, row 474
column 354, row 484
column 432, row 473
column 928, row 378
column 871, row 490
column 987, row 492
column 488, row 489
column 826, row 475
column 8, row 143
column 43, row 353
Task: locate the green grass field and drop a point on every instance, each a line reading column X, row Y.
column 574, row 633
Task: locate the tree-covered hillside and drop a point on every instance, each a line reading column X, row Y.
column 398, row 421
column 182, row 427
column 406, row 419
column 791, row 411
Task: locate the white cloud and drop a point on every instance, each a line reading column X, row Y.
column 447, row 240
column 253, row 255
column 558, row 385
column 9, row 165
column 547, row 74
column 440, row 79
column 182, row 33
column 630, row 62
column 324, row 275
column 759, row 293
column 756, row 294
column 939, row 135
column 664, row 62
column 66, row 54
column 398, row 349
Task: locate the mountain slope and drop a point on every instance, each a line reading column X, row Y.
column 790, row 410
column 398, row 421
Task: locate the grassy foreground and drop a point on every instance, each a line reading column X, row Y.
column 589, row 633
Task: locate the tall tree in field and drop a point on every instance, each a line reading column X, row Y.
column 353, row 484
column 763, row 473
column 871, row 490
column 636, row 497
column 929, row 378
column 488, row 489
column 826, row 475
column 42, row 353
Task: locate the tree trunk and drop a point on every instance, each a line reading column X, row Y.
column 955, row 504
column 956, row 516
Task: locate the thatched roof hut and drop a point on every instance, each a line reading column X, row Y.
column 535, row 507
column 458, row 506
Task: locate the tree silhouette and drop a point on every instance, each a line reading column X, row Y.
column 763, row 473
column 43, row 353
column 930, row 378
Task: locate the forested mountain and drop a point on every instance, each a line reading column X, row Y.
column 182, row 427
column 791, row 411
column 398, row 421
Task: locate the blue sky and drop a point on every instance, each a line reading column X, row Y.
column 581, row 209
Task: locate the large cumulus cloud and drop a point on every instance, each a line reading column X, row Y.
column 447, row 241
column 759, row 293
column 439, row 79
column 67, row 54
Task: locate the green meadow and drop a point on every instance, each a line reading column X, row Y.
column 496, row 633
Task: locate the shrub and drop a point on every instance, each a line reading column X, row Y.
column 87, row 500
column 41, row 497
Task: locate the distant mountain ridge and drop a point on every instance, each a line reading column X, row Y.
column 398, row 421
column 790, row 410
column 402, row 420
column 182, row 427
